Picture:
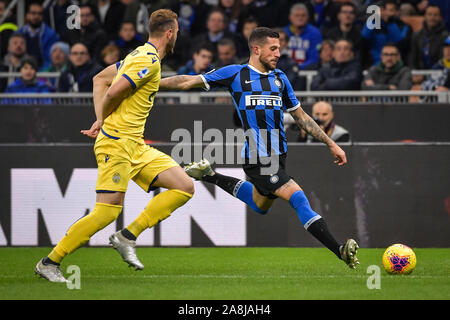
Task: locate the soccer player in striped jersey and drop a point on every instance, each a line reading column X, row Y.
column 261, row 93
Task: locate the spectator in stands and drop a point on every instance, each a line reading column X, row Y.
column 304, row 38
column 110, row 55
column 287, row 64
column 440, row 82
column 137, row 13
column 81, row 70
column 231, row 8
column 217, row 30
column 226, row 53
column 56, row 15
column 7, row 28
column 268, row 13
column 445, row 10
column 344, row 72
column 191, row 14
column 346, row 27
column 39, row 36
column 59, row 56
column 28, row 83
column 17, row 50
column 111, row 14
column 128, row 39
column 392, row 29
column 325, row 13
column 413, row 7
column 322, row 113
column 325, row 55
column 426, row 44
column 390, row 73
column 248, row 26
column 201, row 61
column 90, row 32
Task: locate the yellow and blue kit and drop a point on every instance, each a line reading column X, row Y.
column 120, row 149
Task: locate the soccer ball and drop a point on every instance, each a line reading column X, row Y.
column 399, row 259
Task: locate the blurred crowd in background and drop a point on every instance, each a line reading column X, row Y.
column 339, row 39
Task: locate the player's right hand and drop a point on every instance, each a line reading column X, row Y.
column 339, row 155
column 94, row 130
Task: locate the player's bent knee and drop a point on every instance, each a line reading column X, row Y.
column 112, row 198
column 188, row 187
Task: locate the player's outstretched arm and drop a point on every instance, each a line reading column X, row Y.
column 182, row 82
column 305, row 122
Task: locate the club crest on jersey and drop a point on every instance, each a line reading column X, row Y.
column 142, row 73
column 263, row 100
column 277, row 83
column 274, row 179
column 116, row 177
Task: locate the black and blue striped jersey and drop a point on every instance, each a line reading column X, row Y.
column 260, row 99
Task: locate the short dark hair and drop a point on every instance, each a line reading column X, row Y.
column 384, row 3
column 347, row 4
column 250, row 19
column 161, row 20
column 218, row 10
column 433, row 6
column 17, row 35
column 391, row 44
column 226, row 42
column 346, row 40
column 34, row 3
column 204, row 46
column 260, row 35
column 29, row 60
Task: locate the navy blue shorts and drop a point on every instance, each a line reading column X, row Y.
column 267, row 175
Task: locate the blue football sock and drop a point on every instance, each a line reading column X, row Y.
column 244, row 192
column 300, row 204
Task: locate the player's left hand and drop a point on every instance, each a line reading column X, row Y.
column 338, row 154
column 94, row 130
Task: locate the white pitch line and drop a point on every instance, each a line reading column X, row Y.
column 234, row 276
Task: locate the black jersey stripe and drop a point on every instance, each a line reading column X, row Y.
column 287, row 101
column 246, row 127
column 244, row 75
column 278, row 124
column 237, row 98
column 263, row 133
column 265, row 84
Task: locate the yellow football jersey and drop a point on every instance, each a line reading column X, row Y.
column 142, row 68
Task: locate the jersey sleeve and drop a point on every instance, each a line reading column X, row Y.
column 139, row 70
column 290, row 101
column 222, row 77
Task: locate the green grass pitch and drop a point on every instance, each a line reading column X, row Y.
column 224, row 274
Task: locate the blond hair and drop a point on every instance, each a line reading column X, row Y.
column 160, row 21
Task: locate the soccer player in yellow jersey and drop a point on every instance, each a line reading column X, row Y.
column 123, row 97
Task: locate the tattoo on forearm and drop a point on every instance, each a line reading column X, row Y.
column 306, row 123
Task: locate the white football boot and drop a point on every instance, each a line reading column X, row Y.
column 348, row 253
column 126, row 249
column 49, row 271
column 198, row 170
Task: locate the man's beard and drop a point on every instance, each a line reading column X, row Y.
column 170, row 47
column 266, row 64
column 35, row 25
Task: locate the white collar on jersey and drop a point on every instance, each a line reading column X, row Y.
column 256, row 70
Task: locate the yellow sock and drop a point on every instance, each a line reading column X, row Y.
column 82, row 230
column 158, row 209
